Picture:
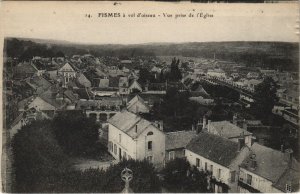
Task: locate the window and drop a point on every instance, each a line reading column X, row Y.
column 171, row 155
column 211, row 169
column 205, row 168
column 288, row 188
column 110, row 146
column 120, row 138
column 249, row 179
column 219, row 173
column 150, row 158
column 124, row 155
column 149, row 145
column 197, row 162
column 150, row 133
column 115, row 148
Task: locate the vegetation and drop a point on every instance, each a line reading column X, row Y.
column 265, row 97
column 41, row 165
column 38, row 159
column 76, row 134
column 275, row 55
column 181, row 177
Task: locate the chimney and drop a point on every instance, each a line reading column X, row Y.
column 234, row 119
column 204, row 123
column 208, row 125
column 282, row 148
column 245, row 125
column 289, row 154
column 253, row 163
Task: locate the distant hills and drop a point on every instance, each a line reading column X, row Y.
column 277, row 55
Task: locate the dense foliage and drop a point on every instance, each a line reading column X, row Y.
column 77, row 134
column 274, row 55
column 265, row 97
column 38, row 159
column 41, row 166
column 180, row 176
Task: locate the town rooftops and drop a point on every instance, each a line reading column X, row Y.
column 270, row 164
column 130, row 123
column 178, row 139
column 228, row 130
column 135, row 100
column 214, row 148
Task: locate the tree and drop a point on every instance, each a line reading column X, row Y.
column 180, row 176
column 76, row 133
column 145, row 76
column 265, row 97
column 38, row 159
column 175, row 74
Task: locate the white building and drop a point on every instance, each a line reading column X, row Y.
column 219, row 157
column 268, row 171
column 68, row 72
column 138, row 105
column 230, row 131
column 219, row 73
column 130, row 136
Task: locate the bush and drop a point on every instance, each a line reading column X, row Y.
column 38, row 159
column 181, row 177
column 77, row 134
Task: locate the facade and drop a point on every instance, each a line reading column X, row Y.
column 268, row 171
column 135, row 86
column 219, row 157
column 130, row 136
column 138, row 105
column 176, row 143
column 219, row 73
column 67, row 72
column 230, row 131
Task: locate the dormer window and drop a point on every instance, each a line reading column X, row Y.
column 150, row 133
column 288, row 188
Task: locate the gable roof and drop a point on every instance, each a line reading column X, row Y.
column 137, row 99
column 127, row 122
column 215, row 148
column 67, row 67
column 270, row 163
column 178, row 139
column 228, row 130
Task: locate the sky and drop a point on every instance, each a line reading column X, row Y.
column 67, row 21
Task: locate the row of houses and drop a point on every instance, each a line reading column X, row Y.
column 229, row 154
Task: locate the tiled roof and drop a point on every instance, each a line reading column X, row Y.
column 271, row 164
column 178, row 139
column 290, row 176
column 127, row 122
column 215, row 148
column 228, row 130
column 136, row 99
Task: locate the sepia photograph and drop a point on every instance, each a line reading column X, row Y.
column 149, row 97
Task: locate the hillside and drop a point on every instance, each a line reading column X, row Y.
column 281, row 55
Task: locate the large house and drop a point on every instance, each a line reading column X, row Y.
column 228, row 130
column 268, row 171
column 131, row 136
column 176, row 143
column 138, row 105
column 219, row 157
column 67, row 72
